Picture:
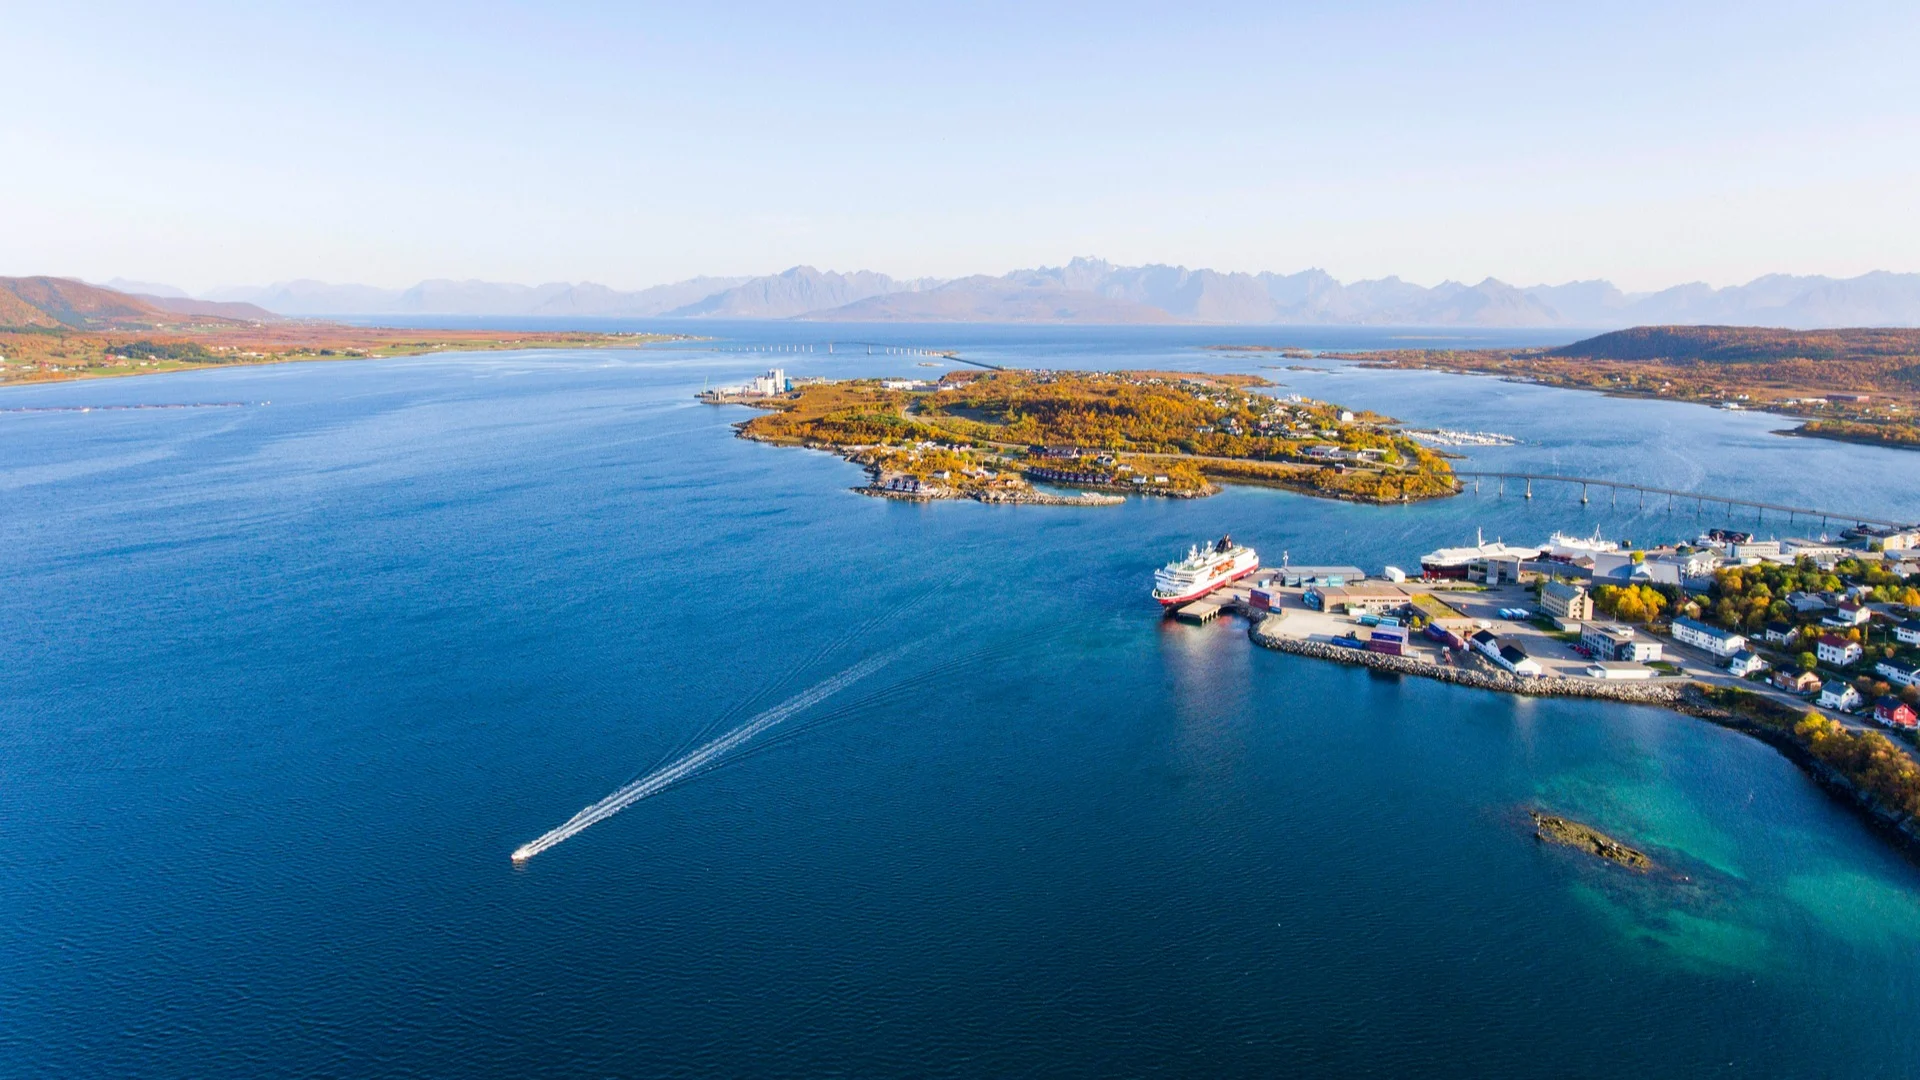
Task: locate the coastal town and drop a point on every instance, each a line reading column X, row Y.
column 1809, row 644
column 1010, row 436
column 1847, row 640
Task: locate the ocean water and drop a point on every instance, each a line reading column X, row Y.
column 284, row 684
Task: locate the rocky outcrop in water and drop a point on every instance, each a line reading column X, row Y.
column 1558, row 830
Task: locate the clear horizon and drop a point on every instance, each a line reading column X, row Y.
column 219, row 144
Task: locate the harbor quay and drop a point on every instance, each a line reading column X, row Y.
column 1366, row 623
column 1519, row 620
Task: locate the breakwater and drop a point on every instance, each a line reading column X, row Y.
column 1653, row 692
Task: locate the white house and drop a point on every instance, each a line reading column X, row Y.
column 1908, row 632
column 1515, row 659
column 1848, row 614
column 1839, row 694
column 1486, row 644
column 1899, row 672
column 1836, row 650
column 1711, row 638
column 1746, row 662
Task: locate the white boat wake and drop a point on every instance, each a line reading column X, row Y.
column 700, row 758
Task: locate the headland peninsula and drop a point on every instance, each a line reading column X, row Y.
column 57, row 329
column 990, row 435
column 1856, row 385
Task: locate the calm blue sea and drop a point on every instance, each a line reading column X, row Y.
column 282, row 685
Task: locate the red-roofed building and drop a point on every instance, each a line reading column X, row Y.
column 1836, row 650
column 1893, row 712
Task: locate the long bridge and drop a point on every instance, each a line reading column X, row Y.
column 1700, row 500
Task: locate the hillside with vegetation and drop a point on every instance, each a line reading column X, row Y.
column 53, row 329
column 1750, row 344
column 51, row 302
column 1853, row 384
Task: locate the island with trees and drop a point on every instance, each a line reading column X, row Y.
column 992, row 435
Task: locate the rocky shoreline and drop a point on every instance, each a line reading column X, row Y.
column 1682, row 696
column 1038, row 498
column 1902, row 830
column 1654, row 692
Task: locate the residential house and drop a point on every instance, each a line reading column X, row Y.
column 1899, row 672
column 1566, row 601
column 1798, row 682
column 1908, row 632
column 1779, row 633
column 1839, row 694
column 1836, row 650
column 1806, row 603
column 1895, row 713
column 1719, row 642
column 1747, row 662
column 1848, row 614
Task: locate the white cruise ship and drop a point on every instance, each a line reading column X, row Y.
column 1202, row 571
column 1568, row 548
column 1453, row 562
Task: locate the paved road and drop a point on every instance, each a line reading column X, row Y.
column 1704, row 667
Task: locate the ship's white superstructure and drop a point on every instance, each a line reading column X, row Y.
column 1203, row 570
column 1562, row 546
column 1453, row 562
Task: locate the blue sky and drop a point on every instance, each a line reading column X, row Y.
column 205, row 143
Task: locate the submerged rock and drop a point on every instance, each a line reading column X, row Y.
column 1558, row 830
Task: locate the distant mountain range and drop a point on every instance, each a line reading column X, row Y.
column 1096, row 291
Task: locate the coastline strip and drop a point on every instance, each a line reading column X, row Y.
column 1641, row 693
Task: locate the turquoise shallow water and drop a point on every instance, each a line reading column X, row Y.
column 284, row 684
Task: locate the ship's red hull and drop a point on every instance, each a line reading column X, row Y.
column 1198, row 593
